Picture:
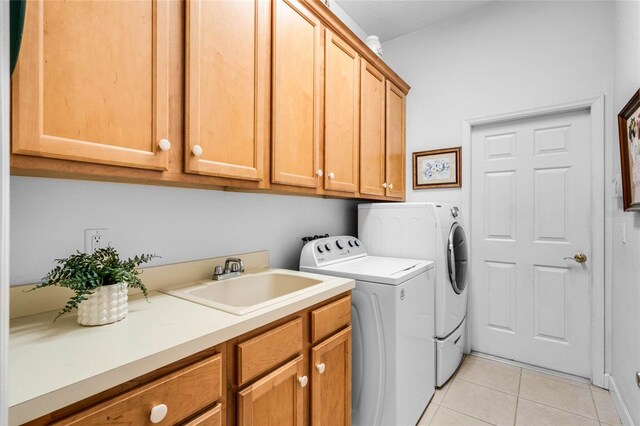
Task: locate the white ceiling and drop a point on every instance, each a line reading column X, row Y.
column 389, row 19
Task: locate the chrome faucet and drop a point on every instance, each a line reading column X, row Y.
column 233, row 267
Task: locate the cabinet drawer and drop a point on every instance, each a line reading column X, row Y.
column 212, row 417
column 268, row 350
column 330, row 318
column 184, row 392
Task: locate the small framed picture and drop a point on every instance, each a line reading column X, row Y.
column 628, row 130
column 440, row 168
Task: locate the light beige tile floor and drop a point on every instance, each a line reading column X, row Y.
column 486, row 392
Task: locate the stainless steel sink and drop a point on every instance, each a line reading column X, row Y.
column 246, row 293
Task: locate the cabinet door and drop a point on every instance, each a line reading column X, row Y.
column 227, row 96
column 212, row 417
column 92, row 83
column 341, row 103
column 297, row 90
column 372, row 137
column 331, row 381
column 395, row 131
column 277, row 399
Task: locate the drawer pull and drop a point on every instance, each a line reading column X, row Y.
column 158, row 413
column 303, row 381
column 321, row 367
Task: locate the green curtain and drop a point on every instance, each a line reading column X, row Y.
column 17, row 9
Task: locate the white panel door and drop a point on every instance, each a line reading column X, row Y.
column 530, row 209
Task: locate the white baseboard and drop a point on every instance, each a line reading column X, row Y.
column 531, row 367
column 607, row 381
column 623, row 412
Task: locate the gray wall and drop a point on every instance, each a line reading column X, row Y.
column 502, row 57
column 626, row 256
column 48, row 218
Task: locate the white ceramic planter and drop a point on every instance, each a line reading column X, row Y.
column 105, row 305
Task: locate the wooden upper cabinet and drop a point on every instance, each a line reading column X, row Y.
column 331, row 381
column 342, row 115
column 372, row 137
column 92, row 83
column 297, row 95
column 276, row 399
column 227, row 88
column 395, row 132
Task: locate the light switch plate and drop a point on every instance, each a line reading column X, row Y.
column 617, row 186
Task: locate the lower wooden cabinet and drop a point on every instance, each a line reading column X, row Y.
column 295, row 371
column 276, row 399
column 331, row 381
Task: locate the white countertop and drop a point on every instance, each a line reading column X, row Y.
column 52, row 365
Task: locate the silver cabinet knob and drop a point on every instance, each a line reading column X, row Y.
column 331, row 175
column 321, row 367
column 196, row 150
column 164, row 144
column 390, row 186
column 319, row 173
column 303, row 381
column 384, row 185
column 158, row 413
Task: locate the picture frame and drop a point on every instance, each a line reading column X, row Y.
column 629, row 136
column 439, row 168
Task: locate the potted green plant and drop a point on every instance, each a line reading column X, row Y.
column 100, row 281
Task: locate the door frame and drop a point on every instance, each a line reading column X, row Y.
column 601, row 275
column 4, row 211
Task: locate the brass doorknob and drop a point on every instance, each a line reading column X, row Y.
column 578, row 257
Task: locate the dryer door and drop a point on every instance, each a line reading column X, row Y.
column 457, row 258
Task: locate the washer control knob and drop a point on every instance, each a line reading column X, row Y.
column 320, row 249
column 455, row 211
column 340, row 244
column 356, row 243
column 328, row 246
column 350, row 243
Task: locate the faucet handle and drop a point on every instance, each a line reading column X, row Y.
column 235, row 264
column 217, row 270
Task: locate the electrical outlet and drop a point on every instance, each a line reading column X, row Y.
column 95, row 239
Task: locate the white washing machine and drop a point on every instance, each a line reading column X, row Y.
column 392, row 342
column 427, row 231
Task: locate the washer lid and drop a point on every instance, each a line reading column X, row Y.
column 383, row 270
